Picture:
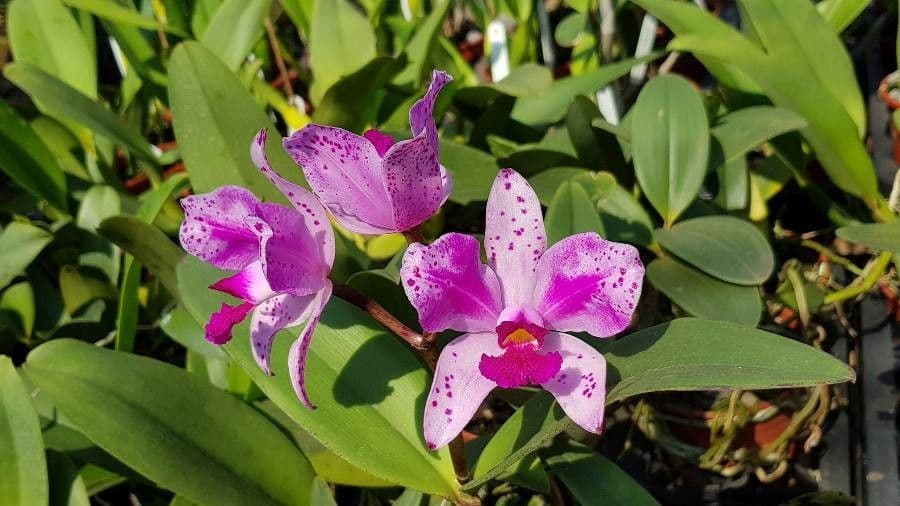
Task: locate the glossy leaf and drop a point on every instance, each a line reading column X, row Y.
column 473, row 171
column 18, row 299
column 215, row 120
column 20, row 243
column 321, row 493
column 80, row 286
column 66, row 486
column 340, row 43
column 738, row 132
column 728, row 248
column 147, row 244
column 23, row 468
column 171, row 426
column 367, row 385
column 234, row 29
column 589, row 475
column 840, row 13
column 705, row 296
column 99, row 202
column 670, row 143
column 570, row 213
column 879, row 236
column 119, row 14
column 184, row 329
column 67, row 102
column 27, row 161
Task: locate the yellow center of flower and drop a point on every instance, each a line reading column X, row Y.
column 518, row 336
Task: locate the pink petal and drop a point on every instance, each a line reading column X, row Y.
column 272, row 315
column 249, row 284
column 300, row 348
column 588, row 284
column 580, row 385
column 344, row 170
column 458, row 387
column 303, row 201
column 213, row 229
column 291, row 256
column 514, row 235
column 218, row 328
column 446, row 184
column 421, row 114
column 414, row 183
column 520, row 365
column 381, row 141
column 449, row 286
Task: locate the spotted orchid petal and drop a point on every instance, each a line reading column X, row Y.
column 449, row 286
column 421, row 114
column 314, row 217
column 249, row 284
column 213, row 229
column 412, row 175
column 218, row 328
column 588, row 284
column 515, row 236
column 580, row 384
column 381, row 141
column 300, row 348
column 458, row 387
column 272, row 315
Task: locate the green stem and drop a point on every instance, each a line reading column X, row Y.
column 864, row 283
column 831, row 255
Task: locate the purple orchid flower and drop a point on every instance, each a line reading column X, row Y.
column 370, row 184
column 283, row 256
column 517, row 309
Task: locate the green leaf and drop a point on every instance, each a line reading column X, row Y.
column 184, row 329
column 300, row 12
column 348, row 102
column 99, row 202
column 234, row 29
column 28, row 162
column 570, row 213
column 596, row 148
column 20, row 244
column 879, row 236
column 45, row 34
column 147, row 244
column 569, row 29
column 410, row 497
column 734, row 185
column 526, row 80
column 19, row 300
column 80, row 286
column 23, row 469
column 546, row 183
column 473, row 171
column 321, row 493
column 119, row 14
column 670, row 144
column 704, row 296
column 62, row 100
column 840, row 13
column 728, row 248
column 589, row 475
column 738, row 132
column 550, row 105
column 367, row 385
column 340, row 43
column 66, row 486
column 171, row 426
column 420, row 45
column 215, row 120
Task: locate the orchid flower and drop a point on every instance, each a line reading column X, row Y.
column 516, row 310
column 370, row 184
column 283, row 256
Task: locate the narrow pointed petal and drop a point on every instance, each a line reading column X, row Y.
column 588, row 284
column 381, row 141
column 303, row 200
column 300, row 348
column 213, row 229
column 449, row 286
column 458, row 387
column 218, row 328
column 272, row 315
column 290, row 256
column 514, row 235
column 421, row 114
column 446, row 184
column 412, row 176
column 344, row 171
column 249, row 284
column 520, row 365
column 580, row 384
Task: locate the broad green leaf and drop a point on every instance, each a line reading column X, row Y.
column 550, row 105
column 234, row 29
column 147, row 244
column 23, row 469
column 171, row 426
column 569, row 29
column 340, row 43
column 588, row 475
column 734, row 185
column 99, row 202
column 67, row 102
column 45, row 34
column 66, row 486
column 571, row 212
column 27, row 161
column 321, row 493
column 215, row 120
column 96, row 479
column 420, row 45
column 184, row 329
column 530, row 473
column 670, row 144
column 410, row 497
column 880, row 236
column 526, row 80
column 623, row 218
column 18, row 299
column 840, row 13
column 20, row 243
column 367, row 385
column 300, row 12
column 349, row 102
column 705, row 296
column 473, row 171
column 62, row 144
column 738, row 132
column 203, row 11
column 79, row 286
column 728, row 248
column 547, row 183
column 119, row 14
column 596, row 148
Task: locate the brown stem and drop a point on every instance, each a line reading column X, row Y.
column 458, row 456
column 279, row 61
column 382, row 316
column 414, row 235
